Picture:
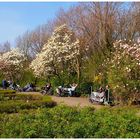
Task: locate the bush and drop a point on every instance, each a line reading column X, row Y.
column 26, row 77
column 20, row 96
column 68, row 122
column 7, row 91
column 27, row 102
column 7, row 94
column 23, row 96
column 85, row 88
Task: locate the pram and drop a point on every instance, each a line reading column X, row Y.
column 99, row 97
column 96, row 97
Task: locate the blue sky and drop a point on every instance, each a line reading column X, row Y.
column 17, row 17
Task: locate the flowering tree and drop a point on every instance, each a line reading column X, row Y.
column 124, row 71
column 59, row 54
column 11, row 63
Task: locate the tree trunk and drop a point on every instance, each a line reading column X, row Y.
column 78, row 70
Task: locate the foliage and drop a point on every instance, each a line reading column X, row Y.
column 85, row 87
column 7, row 91
column 68, row 122
column 4, row 94
column 92, row 25
column 26, row 77
column 32, row 96
column 124, row 72
column 21, row 101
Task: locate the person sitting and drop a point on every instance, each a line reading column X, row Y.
column 47, row 89
column 100, row 90
column 29, row 87
column 72, row 88
column 66, row 91
column 59, row 90
column 4, row 84
column 13, row 85
column 9, row 82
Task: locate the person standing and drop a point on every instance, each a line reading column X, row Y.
column 107, row 94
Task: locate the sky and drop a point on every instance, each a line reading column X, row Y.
column 17, row 17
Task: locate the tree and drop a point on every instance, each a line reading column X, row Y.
column 124, row 71
column 58, row 55
column 31, row 42
column 5, row 47
column 12, row 63
column 24, row 44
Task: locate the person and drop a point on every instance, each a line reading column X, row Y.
column 100, row 90
column 59, row 91
column 26, row 87
column 66, row 91
column 4, row 84
column 29, row 87
column 9, row 82
column 72, row 88
column 13, row 85
column 107, row 94
column 47, row 89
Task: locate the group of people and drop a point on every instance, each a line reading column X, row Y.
column 69, row 91
column 47, row 89
column 101, row 95
column 61, row 90
column 9, row 84
column 12, row 85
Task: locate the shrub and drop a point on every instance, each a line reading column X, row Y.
column 7, row 94
column 85, row 87
column 23, row 96
column 7, row 91
column 68, row 122
column 12, row 106
column 26, row 77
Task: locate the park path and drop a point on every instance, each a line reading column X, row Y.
column 71, row 101
column 75, row 101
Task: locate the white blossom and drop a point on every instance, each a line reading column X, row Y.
column 12, row 61
column 61, row 49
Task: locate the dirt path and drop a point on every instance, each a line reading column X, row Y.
column 71, row 101
column 75, row 101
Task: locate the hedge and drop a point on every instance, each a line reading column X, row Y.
column 13, row 106
column 7, row 91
